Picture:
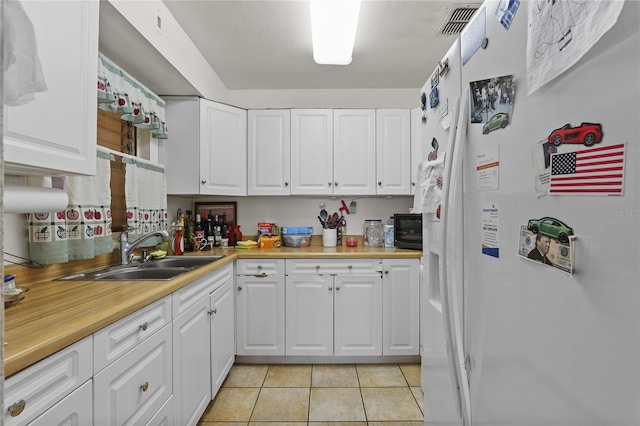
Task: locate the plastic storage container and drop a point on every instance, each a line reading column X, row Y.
column 296, row 236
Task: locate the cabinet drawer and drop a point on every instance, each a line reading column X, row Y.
column 74, row 409
column 190, row 295
column 132, row 389
column 113, row 341
column 333, row 266
column 260, row 267
column 42, row 385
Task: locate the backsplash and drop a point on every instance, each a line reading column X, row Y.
column 299, row 211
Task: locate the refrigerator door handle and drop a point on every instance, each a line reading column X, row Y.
column 450, row 274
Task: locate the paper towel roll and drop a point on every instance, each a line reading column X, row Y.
column 28, row 199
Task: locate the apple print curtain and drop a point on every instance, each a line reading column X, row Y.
column 145, row 192
column 83, row 229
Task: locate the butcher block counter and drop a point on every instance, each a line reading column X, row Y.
column 55, row 314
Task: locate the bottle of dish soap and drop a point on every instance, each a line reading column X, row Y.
column 178, row 237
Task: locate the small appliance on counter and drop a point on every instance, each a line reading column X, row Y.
column 408, row 230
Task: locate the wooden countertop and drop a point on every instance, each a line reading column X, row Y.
column 55, row 314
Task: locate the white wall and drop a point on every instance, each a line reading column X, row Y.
column 299, row 211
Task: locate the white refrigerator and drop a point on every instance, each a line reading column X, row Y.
column 531, row 285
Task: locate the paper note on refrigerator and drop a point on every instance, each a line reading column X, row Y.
column 487, row 168
column 490, row 226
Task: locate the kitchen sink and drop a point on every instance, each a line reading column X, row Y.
column 159, row 270
column 180, row 262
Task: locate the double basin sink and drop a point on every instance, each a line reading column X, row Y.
column 160, row 269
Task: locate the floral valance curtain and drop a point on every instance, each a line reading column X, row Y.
column 119, row 92
column 83, row 229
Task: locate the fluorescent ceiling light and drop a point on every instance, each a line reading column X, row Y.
column 333, row 30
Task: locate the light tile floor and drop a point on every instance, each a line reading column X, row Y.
column 318, row 395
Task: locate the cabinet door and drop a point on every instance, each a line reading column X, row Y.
column 311, row 151
column 393, row 151
column 354, row 152
column 417, row 151
column 358, row 315
column 191, row 370
column 57, row 129
column 223, row 149
column 309, row 315
column 181, row 152
column 401, row 307
column 223, row 347
column 75, row 409
column 260, row 315
column 268, row 152
column 132, row 389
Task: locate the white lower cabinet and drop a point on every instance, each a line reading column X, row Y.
column 334, row 307
column 309, row 313
column 75, row 409
column 401, row 307
column 223, row 343
column 358, row 315
column 192, row 384
column 34, row 390
column 133, row 388
column 260, row 309
column 203, row 342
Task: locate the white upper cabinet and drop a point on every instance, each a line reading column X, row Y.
column 354, row 152
column 55, row 132
column 393, row 151
column 311, row 151
column 268, row 152
column 417, row 151
column 207, row 147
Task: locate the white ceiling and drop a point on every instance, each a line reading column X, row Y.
column 266, row 44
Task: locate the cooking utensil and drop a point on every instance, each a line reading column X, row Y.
column 323, row 218
column 333, row 222
column 322, row 222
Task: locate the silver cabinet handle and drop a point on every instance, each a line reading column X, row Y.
column 335, row 183
column 337, row 288
column 259, row 267
column 213, row 312
column 144, row 326
column 350, row 266
column 330, row 183
column 317, row 266
column 17, row 407
column 286, row 183
column 204, row 181
column 386, row 272
column 239, row 288
column 144, row 386
column 330, row 288
column 379, row 183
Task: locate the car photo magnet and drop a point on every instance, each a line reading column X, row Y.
column 547, row 241
column 491, row 102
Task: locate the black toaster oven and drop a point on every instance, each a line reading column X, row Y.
column 407, row 228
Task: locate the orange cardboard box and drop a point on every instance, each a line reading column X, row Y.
column 269, row 241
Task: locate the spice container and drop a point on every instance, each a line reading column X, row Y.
column 9, row 283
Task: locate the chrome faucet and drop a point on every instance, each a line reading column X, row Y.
column 126, row 247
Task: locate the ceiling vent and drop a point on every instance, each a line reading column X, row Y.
column 457, row 17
